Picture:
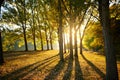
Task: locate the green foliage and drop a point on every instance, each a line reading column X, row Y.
column 11, row 40
column 93, row 39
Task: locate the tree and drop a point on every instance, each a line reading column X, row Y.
column 21, row 18
column 24, row 28
column 60, row 31
column 40, row 28
column 1, row 52
column 33, row 22
column 111, row 65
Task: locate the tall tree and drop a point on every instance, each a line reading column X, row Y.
column 21, row 18
column 1, row 52
column 24, row 27
column 60, row 32
column 50, row 32
column 33, row 23
column 71, row 27
column 39, row 27
column 111, row 66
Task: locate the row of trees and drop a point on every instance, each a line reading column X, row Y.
column 38, row 16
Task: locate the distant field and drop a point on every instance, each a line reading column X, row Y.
column 45, row 65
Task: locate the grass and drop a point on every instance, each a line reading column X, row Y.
column 45, row 65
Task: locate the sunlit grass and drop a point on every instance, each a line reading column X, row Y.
column 40, row 65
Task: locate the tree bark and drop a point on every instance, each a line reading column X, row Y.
column 24, row 28
column 25, row 40
column 75, row 42
column 111, row 65
column 1, row 51
column 47, row 41
column 34, row 41
column 80, row 42
column 71, row 27
column 51, row 44
column 41, row 40
column 80, row 45
column 64, row 43
column 82, row 36
column 33, row 25
column 60, row 32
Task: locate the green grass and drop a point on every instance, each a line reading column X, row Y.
column 45, row 65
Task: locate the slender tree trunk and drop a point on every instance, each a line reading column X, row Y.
column 41, row 40
column 71, row 27
column 111, row 65
column 25, row 39
column 33, row 25
column 68, row 46
column 1, row 52
column 51, row 44
column 64, row 43
column 71, row 45
column 80, row 46
column 47, row 41
column 34, row 41
column 24, row 28
column 75, row 42
column 83, row 33
column 60, row 32
column 80, row 42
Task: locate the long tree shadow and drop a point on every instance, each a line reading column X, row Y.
column 68, row 71
column 78, row 71
column 15, row 75
column 56, row 70
column 102, row 75
column 9, row 56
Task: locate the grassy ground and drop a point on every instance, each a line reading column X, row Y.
column 45, row 65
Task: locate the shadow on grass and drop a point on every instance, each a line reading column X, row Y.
column 18, row 53
column 78, row 72
column 68, row 71
column 14, row 55
column 15, row 75
column 102, row 75
column 56, row 70
column 9, row 56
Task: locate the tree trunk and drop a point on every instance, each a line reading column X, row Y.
column 75, row 42
column 80, row 42
column 71, row 27
column 25, row 40
column 68, row 46
column 60, row 32
column 34, row 41
column 51, row 44
column 111, row 65
column 82, row 36
column 64, row 43
column 24, row 28
column 33, row 25
column 41, row 40
column 1, row 52
column 80, row 46
column 47, row 41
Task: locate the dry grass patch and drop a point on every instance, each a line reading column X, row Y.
column 46, row 65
